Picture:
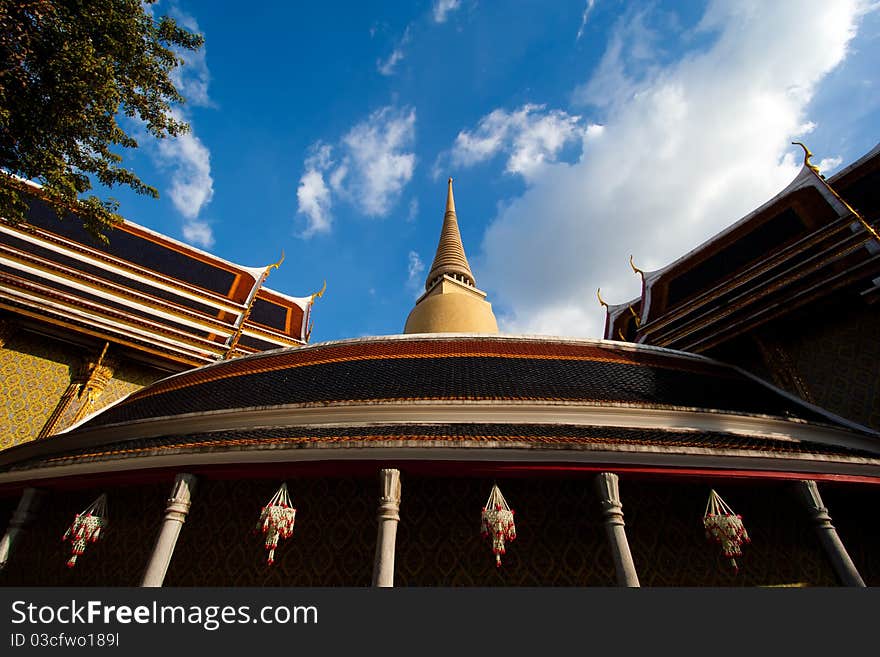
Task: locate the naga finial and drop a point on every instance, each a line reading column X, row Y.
column 599, row 296
column 318, row 295
column 276, row 265
column 636, row 269
column 807, row 155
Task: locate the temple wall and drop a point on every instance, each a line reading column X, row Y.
column 36, row 370
column 561, row 540
column 829, row 356
column 838, row 357
column 134, row 512
column 34, row 373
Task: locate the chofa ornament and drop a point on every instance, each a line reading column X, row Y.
column 276, row 520
column 86, row 528
column 497, row 522
column 725, row 527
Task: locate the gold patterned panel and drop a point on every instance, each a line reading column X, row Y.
column 34, row 372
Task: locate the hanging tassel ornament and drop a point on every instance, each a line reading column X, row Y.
column 276, row 520
column 86, row 528
column 725, row 527
column 497, row 522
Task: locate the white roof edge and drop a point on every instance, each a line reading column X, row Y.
column 804, row 178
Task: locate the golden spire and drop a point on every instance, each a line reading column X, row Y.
column 450, row 258
column 451, row 302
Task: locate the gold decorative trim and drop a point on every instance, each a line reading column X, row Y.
column 868, row 227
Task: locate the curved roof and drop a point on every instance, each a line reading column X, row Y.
column 467, row 396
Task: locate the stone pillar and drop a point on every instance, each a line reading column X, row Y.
column 837, row 554
column 175, row 515
column 612, row 510
column 21, row 518
column 389, row 516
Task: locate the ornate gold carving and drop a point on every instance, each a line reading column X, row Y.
column 319, row 294
column 90, row 377
column 807, row 155
column 601, row 300
column 635, row 269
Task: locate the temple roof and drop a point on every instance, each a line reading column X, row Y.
column 543, row 398
column 159, row 298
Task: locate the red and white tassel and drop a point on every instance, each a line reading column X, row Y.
column 725, row 527
column 86, row 528
column 276, row 521
column 497, row 522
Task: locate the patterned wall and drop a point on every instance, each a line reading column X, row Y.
column 838, row 355
column 561, row 539
column 118, row 559
column 34, row 373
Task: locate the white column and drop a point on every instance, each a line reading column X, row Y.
column 612, row 509
column 175, row 515
column 389, row 516
column 834, row 548
column 21, row 518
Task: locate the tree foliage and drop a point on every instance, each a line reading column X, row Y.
column 68, row 70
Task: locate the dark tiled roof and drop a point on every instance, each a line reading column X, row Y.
column 462, row 368
column 536, row 435
column 134, row 248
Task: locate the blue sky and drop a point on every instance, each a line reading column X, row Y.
column 578, row 132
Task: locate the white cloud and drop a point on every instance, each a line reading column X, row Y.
column 828, row 164
column 198, row 232
column 413, row 210
column 189, row 163
column 185, row 157
column 684, row 150
column 386, row 66
column 529, row 136
column 442, row 9
column 587, row 9
column 193, row 77
column 374, row 165
column 415, row 268
column 314, row 201
column 379, row 164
